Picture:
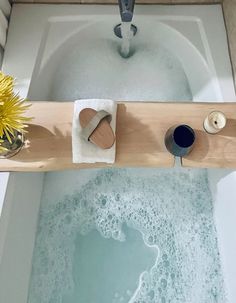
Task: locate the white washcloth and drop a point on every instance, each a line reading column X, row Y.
column 85, row 151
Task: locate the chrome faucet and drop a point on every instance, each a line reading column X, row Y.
column 126, row 14
column 126, row 10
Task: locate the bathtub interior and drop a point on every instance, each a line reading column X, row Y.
column 96, row 69
column 20, row 225
column 188, row 46
column 3, row 183
column 195, row 37
column 96, row 225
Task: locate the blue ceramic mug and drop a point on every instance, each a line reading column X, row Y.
column 179, row 140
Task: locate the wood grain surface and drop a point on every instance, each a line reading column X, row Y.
column 140, row 133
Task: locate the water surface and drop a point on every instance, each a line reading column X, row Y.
column 127, row 235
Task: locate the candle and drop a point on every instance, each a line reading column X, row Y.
column 214, row 122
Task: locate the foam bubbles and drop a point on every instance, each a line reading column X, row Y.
column 171, row 209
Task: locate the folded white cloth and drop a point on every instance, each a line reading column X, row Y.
column 85, row 151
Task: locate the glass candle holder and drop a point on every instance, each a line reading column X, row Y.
column 214, row 122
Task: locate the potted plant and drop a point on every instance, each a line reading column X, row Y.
column 13, row 123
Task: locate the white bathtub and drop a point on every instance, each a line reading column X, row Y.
column 40, row 32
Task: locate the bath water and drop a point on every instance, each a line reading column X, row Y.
column 96, row 69
column 127, row 35
column 126, row 235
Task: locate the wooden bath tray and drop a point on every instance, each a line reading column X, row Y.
column 140, row 135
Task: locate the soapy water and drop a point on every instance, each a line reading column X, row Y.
column 95, row 69
column 153, row 73
column 112, row 267
column 127, row 35
column 130, row 236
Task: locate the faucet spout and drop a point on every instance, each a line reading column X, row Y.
column 126, row 10
column 126, row 14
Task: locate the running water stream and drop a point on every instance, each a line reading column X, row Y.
column 127, row 35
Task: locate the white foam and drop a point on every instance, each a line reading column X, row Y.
column 95, row 69
column 176, row 220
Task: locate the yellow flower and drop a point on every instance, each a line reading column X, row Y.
column 2, row 149
column 6, row 87
column 12, row 108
